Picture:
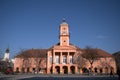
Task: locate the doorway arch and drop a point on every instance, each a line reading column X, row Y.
column 65, row 69
column 106, row 70
column 72, row 69
column 57, row 69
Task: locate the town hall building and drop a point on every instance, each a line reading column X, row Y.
column 59, row 59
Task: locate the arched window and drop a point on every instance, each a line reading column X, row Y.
column 28, row 69
column 95, row 69
column 84, row 70
column 106, row 70
column 101, row 70
column 17, row 70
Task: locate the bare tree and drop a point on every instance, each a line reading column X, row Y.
column 38, row 63
column 91, row 55
column 79, row 60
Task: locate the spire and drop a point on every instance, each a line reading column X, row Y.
column 7, row 50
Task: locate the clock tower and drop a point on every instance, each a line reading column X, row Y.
column 64, row 34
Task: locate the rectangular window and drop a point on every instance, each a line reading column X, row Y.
column 57, row 59
column 35, row 61
column 71, row 59
column 64, row 59
column 51, row 59
column 111, row 60
column 29, row 60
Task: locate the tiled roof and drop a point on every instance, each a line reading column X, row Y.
column 58, row 44
column 41, row 53
column 101, row 53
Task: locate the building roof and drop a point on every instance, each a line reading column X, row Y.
column 41, row 53
column 101, row 53
column 64, row 22
column 7, row 50
column 58, row 44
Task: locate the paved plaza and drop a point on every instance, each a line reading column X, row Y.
column 56, row 77
column 71, row 78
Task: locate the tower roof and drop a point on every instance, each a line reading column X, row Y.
column 64, row 22
column 7, row 50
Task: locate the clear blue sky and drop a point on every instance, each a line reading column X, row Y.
column 26, row 24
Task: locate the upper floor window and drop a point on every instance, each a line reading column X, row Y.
column 29, row 60
column 111, row 60
column 51, row 59
column 23, row 60
column 71, row 59
column 57, row 59
column 35, row 61
column 64, row 59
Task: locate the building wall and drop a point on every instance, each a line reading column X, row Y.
column 65, row 64
column 48, row 65
column 30, row 65
column 102, row 65
column 56, row 55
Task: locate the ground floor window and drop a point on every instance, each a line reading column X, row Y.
column 84, row 70
column 78, row 70
column 101, row 71
column 51, row 70
column 106, row 70
column 33, row 70
column 28, row 69
column 23, row 70
column 72, row 68
column 65, row 69
column 95, row 69
column 39, row 69
column 57, row 69
column 17, row 69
